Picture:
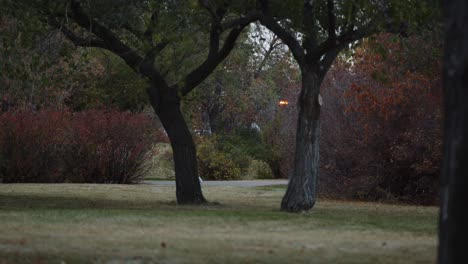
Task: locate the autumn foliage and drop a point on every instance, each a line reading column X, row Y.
column 61, row 146
column 31, row 146
column 388, row 113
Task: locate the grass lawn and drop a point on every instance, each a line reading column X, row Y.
column 83, row 223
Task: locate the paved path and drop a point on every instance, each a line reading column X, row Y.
column 247, row 183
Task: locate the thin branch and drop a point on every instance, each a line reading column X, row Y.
column 268, row 21
column 327, row 61
column 331, row 19
column 146, row 37
column 273, row 45
column 75, row 39
column 132, row 30
column 308, row 20
column 349, row 25
column 213, row 59
column 209, row 7
column 203, row 70
column 342, row 41
column 154, row 51
column 251, row 16
column 114, row 44
column 149, row 32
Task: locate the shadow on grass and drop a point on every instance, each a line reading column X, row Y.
column 343, row 218
column 42, row 203
column 28, row 201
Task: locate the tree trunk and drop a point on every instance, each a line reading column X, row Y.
column 167, row 107
column 275, row 168
column 453, row 222
column 301, row 192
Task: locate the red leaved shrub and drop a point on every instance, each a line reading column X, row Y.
column 108, row 147
column 31, row 145
column 92, row 146
column 382, row 116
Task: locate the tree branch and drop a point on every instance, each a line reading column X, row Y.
column 75, row 39
column 114, row 44
column 251, row 16
column 328, row 48
column 273, row 45
column 308, row 20
column 146, row 37
column 331, row 20
column 268, row 21
column 214, row 58
column 138, row 34
column 327, row 61
column 217, row 14
column 349, row 25
column 342, row 41
column 148, row 34
column 150, row 56
column 201, row 72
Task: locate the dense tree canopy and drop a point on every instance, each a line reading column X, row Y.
column 155, row 39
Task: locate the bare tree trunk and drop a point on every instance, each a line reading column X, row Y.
column 167, row 107
column 453, row 214
column 301, row 192
column 275, row 168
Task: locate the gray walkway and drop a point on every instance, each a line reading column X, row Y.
column 247, row 183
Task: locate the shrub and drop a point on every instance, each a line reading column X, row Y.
column 274, row 145
column 214, row 164
column 381, row 135
column 239, row 158
column 31, row 146
column 108, row 147
column 263, row 171
column 91, row 146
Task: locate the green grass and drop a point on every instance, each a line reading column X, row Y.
column 50, row 223
column 157, row 179
column 272, row 188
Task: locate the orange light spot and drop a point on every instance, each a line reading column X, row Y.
column 283, row 102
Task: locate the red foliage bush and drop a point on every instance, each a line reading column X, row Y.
column 108, row 147
column 92, row 146
column 31, row 145
column 382, row 122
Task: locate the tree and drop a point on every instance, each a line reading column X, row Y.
column 139, row 32
column 315, row 32
column 453, row 216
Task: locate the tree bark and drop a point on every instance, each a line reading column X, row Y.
column 167, row 107
column 275, row 168
column 301, row 192
column 453, row 221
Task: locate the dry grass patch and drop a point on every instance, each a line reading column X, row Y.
column 142, row 224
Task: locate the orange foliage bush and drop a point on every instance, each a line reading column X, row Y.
column 391, row 112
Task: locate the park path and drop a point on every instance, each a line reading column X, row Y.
column 245, row 183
